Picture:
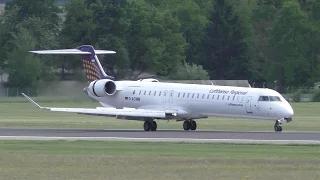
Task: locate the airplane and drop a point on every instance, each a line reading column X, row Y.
column 149, row 99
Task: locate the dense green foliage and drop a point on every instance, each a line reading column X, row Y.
column 249, row 39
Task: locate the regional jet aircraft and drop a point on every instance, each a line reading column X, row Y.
column 149, row 100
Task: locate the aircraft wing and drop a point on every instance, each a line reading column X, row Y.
column 101, row 111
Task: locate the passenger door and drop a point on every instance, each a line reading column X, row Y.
column 248, row 104
column 262, row 108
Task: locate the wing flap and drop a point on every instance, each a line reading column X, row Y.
column 112, row 111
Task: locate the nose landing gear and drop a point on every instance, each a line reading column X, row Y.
column 277, row 127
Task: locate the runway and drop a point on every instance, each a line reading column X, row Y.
column 161, row 135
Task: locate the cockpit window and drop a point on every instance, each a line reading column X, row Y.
column 274, row 98
column 263, row 98
column 269, row 98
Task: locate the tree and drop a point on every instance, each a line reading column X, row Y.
column 224, row 46
column 189, row 72
column 79, row 21
column 289, row 46
column 192, row 17
column 23, row 68
column 8, row 29
column 313, row 11
column 156, row 44
column 40, row 18
column 47, row 10
column 112, row 23
column 263, row 17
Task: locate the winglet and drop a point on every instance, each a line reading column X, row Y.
column 32, row 102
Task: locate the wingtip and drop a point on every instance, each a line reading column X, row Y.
column 31, row 101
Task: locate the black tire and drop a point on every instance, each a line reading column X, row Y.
column 147, row 126
column 193, row 125
column 186, row 125
column 277, row 128
column 154, row 126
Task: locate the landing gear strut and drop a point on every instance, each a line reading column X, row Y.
column 277, row 127
column 150, row 126
column 189, row 125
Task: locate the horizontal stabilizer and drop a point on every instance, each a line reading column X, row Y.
column 71, row 51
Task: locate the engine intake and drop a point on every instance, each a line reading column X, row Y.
column 103, row 87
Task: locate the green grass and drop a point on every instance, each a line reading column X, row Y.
column 22, row 114
column 130, row 160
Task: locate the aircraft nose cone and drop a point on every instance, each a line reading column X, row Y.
column 289, row 111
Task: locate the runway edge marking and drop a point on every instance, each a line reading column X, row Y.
column 190, row 140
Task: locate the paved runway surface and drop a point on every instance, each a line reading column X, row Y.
column 162, row 135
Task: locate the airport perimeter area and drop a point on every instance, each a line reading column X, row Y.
column 96, row 159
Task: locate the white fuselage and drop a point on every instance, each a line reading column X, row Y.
column 198, row 101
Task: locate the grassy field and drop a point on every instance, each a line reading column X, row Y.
column 22, row 114
column 123, row 160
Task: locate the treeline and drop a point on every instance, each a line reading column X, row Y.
column 272, row 40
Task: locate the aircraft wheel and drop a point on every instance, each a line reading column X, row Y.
column 186, row 125
column 154, row 126
column 147, row 126
column 193, row 125
column 277, row 127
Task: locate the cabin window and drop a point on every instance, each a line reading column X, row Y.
column 202, row 96
column 223, row 97
column 192, row 95
column 263, row 98
column 198, row 96
column 171, row 94
column 228, row 97
column 144, row 92
column 149, row 93
column 218, row 97
column 165, row 93
column 155, row 93
column 188, row 95
column 139, row 92
column 212, row 96
column 184, row 94
column 179, row 95
column 233, row 97
column 274, row 98
column 134, row 91
column 160, row 93
column 208, row 96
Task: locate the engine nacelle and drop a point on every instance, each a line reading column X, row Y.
column 102, row 87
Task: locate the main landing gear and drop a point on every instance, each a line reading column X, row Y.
column 189, row 125
column 277, row 127
column 150, row 126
